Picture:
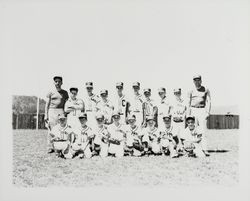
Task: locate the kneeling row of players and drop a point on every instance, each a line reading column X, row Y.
column 120, row 140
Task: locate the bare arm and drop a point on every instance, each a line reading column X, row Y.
column 189, row 103
column 47, row 108
column 208, row 102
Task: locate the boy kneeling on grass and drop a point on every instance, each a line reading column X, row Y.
column 169, row 138
column 133, row 137
column 62, row 137
column 191, row 138
column 151, row 137
column 84, row 138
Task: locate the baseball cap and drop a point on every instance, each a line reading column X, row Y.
column 57, row 77
column 73, row 89
column 166, row 116
column 150, row 117
column 190, row 117
column 176, row 90
column 161, row 90
column 147, row 90
column 136, row 84
column 62, row 116
column 131, row 117
column 119, row 84
column 82, row 115
column 104, row 91
column 99, row 116
column 115, row 113
column 196, row 77
column 89, row 84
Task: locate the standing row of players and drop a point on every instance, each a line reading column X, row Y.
column 142, row 112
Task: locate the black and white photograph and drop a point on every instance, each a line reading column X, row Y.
column 125, row 100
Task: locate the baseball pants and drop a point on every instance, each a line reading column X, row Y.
column 53, row 120
column 201, row 121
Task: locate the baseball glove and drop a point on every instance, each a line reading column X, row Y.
column 114, row 141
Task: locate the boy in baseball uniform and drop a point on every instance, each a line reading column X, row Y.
column 117, row 136
column 151, row 136
column 91, row 104
column 199, row 105
column 163, row 107
column 102, row 135
column 55, row 101
column 73, row 107
column 136, row 104
column 134, row 137
column 84, row 136
column 168, row 137
column 123, row 104
column 62, row 136
column 192, row 137
column 178, row 112
column 105, row 106
column 149, row 108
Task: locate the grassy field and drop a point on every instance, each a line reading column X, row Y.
column 33, row 167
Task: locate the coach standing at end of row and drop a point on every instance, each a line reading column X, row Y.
column 199, row 102
column 55, row 101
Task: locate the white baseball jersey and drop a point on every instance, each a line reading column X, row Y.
column 167, row 133
column 92, row 102
column 191, row 136
column 101, row 135
column 117, row 132
column 178, row 109
column 136, row 103
column 133, row 134
column 82, row 134
column 73, row 113
column 106, row 108
column 62, row 133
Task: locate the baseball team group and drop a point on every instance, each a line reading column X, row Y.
column 136, row 126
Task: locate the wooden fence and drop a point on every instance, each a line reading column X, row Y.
column 223, row 122
column 28, row 121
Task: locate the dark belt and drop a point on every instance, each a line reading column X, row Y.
column 199, row 106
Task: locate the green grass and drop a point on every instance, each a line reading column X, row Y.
column 33, row 167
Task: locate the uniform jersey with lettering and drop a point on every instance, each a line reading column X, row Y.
column 82, row 134
column 57, row 98
column 77, row 103
column 136, row 103
column 198, row 97
column 62, row 133
column 122, row 105
column 134, row 133
column 153, row 134
column 101, row 135
column 163, row 107
column 106, row 108
column 191, row 136
column 92, row 102
column 167, row 133
column 178, row 110
column 117, row 132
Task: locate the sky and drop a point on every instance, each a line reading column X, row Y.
column 158, row 43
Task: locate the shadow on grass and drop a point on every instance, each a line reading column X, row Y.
column 218, row 151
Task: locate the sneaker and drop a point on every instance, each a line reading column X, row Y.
column 51, row 151
column 206, row 153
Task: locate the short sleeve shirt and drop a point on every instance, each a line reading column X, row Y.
column 62, row 132
column 57, row 98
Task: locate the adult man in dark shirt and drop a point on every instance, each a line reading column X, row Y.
column 55, row 101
